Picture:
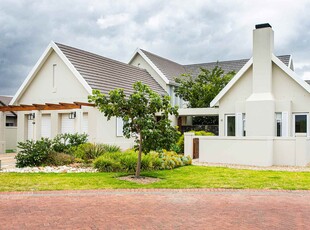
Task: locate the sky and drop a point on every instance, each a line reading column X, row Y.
column 186, row 32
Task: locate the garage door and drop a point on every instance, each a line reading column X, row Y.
column 30, row 130
column 85, row 123
column 46, row 126
column 67, row 125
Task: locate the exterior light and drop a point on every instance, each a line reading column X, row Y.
column 31, row 116
column 72, row 115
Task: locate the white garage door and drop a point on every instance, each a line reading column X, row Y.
column 46, row 126
column 30, row 129
column 67, row 125
column 85, row 123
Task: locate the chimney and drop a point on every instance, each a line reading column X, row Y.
column 263, row 40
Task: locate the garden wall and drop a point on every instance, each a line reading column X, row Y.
column 258, row 151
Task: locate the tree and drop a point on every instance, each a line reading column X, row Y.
column 201, row 90
column 138, row 112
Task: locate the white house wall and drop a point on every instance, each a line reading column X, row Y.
column 234, row 100
column 67, row 87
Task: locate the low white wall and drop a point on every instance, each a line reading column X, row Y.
column 245, row 151
column 258, row 151
column 11, row 137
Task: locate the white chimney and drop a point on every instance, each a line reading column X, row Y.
column 263, row 40
column 260, row 106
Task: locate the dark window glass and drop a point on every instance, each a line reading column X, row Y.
column 300, row 123
column 231, row 127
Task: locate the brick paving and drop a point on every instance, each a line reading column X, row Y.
column 156, row 209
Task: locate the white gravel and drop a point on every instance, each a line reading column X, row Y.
column 50, row 169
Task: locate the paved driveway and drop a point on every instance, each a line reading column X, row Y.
column 156, row 209
column 7, row 160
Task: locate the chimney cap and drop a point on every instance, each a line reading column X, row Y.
column 264, row 25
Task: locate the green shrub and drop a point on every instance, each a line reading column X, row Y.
column 127, row 161
column 180, row 143
column 33, row 153
column 64, row 142
column 59, row 159
column 89, row 151
column 103, row 164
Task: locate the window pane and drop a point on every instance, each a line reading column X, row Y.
column 231, row 127
column 279, row 124
column 300, row 123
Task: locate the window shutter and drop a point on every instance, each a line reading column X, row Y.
column 284, row 124
column 239, row 125
column 119, row 127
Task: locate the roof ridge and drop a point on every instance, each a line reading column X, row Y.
column 160, row 57
column 98, row 55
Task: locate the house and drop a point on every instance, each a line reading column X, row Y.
column 10, row 124
column 53, row 98
column 164, row 71
column 263, row 113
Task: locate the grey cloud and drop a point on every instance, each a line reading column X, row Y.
column 184, row 31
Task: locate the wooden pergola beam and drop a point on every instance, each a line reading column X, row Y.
column 47, row 106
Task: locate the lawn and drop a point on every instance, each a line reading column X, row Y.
column 184, row 177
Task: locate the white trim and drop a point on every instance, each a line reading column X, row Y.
column 52, row 46
column 285, row 124
column 139, row 51
column 290, row 62
column 230, row 84
column 239, row 124
column 290, row 73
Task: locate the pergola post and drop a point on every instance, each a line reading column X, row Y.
column 2, row 132
column 78, row 120
column 37, row 125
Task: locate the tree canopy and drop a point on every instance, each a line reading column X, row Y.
column 140, row 112
column 201, row 90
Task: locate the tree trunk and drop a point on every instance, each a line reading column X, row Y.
column 139, row 157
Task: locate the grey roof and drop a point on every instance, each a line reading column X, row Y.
column 5, row 99
column 172, row 69
column 106, row 74
column 169, row 68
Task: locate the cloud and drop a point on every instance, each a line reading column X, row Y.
column 184, row 31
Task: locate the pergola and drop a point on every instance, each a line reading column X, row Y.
column 46, row 106
column 33, row 107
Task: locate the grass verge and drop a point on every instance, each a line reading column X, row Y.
column 184, row 177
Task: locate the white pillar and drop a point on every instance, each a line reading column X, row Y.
column 188, row 144
column 37, row 125
column 2, row 132
column 78, row 121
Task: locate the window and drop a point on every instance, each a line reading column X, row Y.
column 243, row 124
column 278, row 124
column 230, row 125
column 300, row 123
column 119, row 127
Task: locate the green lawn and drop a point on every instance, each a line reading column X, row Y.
column 184, row 177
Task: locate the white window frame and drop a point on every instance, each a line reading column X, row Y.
column 119, row 127
column 226, row 124
column 293, row 128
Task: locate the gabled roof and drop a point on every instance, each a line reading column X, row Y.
column 168, row 69
column 276, row 60
column 106, row 74
column 93, row 71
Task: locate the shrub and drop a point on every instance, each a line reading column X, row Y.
column 89, row 151
column 180, row 142
column 104, row 164
column 64, row 142
column 58, row 159
column 33, row 153
column 127, row 161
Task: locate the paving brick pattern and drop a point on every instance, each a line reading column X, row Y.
column 156, row 209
